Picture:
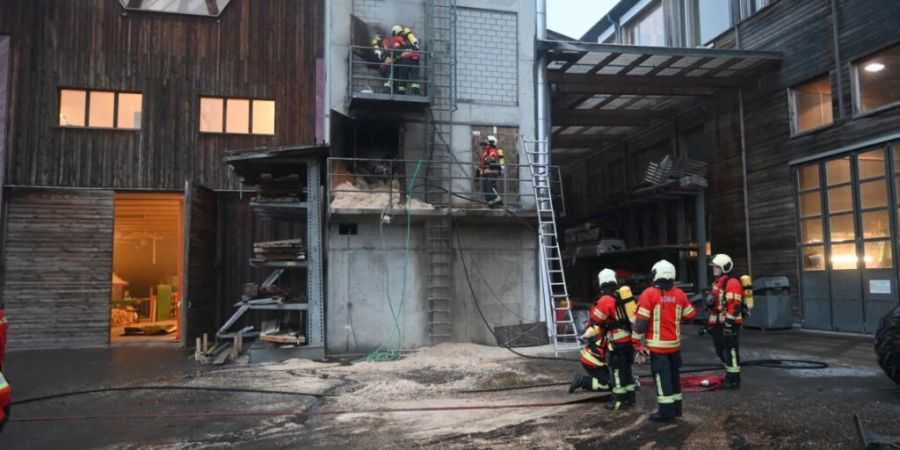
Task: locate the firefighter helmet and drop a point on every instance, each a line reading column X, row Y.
column 724, row 261
column 607, row 276
column 663, row 270
column 396, row 29
column 379, row 37
column 492, row 140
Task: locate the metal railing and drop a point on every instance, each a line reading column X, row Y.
column 378, row 184
column 398, row 74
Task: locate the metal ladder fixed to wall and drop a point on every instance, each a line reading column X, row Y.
column 441, row 16
column 563, row 332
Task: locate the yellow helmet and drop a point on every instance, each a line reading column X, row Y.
column 396, row 29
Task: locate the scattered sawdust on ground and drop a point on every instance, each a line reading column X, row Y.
column 374, row 196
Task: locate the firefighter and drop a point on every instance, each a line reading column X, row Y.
column 725, row 304
column 612, row 314
column 383, row 49
column 406, row 43
column 593, row 357
column 5, row 392
column 660, row 311
column 490, row 169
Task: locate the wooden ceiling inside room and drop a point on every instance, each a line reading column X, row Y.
column 148, row 214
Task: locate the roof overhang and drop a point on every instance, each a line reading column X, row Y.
column 601, row 93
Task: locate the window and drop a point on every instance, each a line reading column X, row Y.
column 812, row 234
column 878, row 80
column 810, row 105
column 237, row 116
column 648, row 29
column 100, row 109
column 194, row 7
column 751, row 7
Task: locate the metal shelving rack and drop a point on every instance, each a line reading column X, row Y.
column 305, row 160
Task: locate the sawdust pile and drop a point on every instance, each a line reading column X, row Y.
column 362, row 195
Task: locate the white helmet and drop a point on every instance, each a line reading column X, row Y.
column 492, row 140
column 663, row 270
column 396, row 29
column 724, row 261
column 607, row 276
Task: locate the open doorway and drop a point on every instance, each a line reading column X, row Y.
column 148, row 252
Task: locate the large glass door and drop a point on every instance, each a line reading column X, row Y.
column 846, row 211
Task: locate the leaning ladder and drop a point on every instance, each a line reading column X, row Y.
column 563, row 333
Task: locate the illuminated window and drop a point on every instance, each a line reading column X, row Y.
column 100, row 109
column 189, row 7
column 877, row 80
column 237, row 116
column 811, row 105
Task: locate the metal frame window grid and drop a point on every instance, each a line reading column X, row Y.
column 87, row 108
column 891, row 179
column 249, row 115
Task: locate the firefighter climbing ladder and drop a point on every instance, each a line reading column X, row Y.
column 440, row 41
column 563, row 332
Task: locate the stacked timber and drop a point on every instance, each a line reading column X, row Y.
column 275, row 251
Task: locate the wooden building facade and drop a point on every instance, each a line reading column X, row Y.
column 159, row 98
column 801, row 155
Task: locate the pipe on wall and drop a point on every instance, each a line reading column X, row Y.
column 744, row 180
column 838, row 71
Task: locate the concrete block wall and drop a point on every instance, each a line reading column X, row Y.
column 487, row 44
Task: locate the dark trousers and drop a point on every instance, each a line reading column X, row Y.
column 599, row 377
column 666, row 370
column 728, row 349
column 621, row 359
column 407, row 69
column 489, row 188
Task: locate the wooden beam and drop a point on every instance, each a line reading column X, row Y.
column 644, row 80
column 606, row 117
column 136, row 4
column 580, row 140
column 632, row 89
column 213, row 7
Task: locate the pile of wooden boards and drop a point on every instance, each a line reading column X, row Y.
column 281, row 188
column 286, row 250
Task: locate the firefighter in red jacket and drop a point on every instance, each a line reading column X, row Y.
column 406, row 49
column 611, row 313
column 593, row 355
column 725, row 304
column 490, row 169
column 660, row 311
column 382, row 48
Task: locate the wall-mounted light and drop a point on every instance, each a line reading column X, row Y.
column 874, row 67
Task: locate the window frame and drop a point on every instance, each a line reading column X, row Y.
column 225, row 100
column 638, row 16
column 794, row 117
column 856, row 91
column 87, row 109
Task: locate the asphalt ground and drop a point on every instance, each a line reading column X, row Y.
column 775, row 408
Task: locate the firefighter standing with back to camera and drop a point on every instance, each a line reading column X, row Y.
column 615, row 313
column 726, row 316
column 490, row 169
column 660, row 311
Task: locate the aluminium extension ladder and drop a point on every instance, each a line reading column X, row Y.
column 563, row 332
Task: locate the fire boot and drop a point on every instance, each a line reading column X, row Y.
column 630, row 397
column 677, row 408
column 619, row 401
column 580, row 381
column 666, row 413
column 732, row 380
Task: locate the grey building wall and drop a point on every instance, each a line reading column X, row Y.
column 487, row 71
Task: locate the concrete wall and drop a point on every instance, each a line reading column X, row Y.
column 359, row 268
column 499, row 258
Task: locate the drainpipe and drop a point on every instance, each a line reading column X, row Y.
column 326, row 97
column 838, row 70
column 744, row 178
column 542, row 156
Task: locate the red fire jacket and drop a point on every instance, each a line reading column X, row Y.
column 726, row 302
column 5, row 392
column 663, row 312
column 607, row 317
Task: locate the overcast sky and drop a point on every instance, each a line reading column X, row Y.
column 574, row 17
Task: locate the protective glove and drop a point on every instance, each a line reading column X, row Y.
column 642, row 356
